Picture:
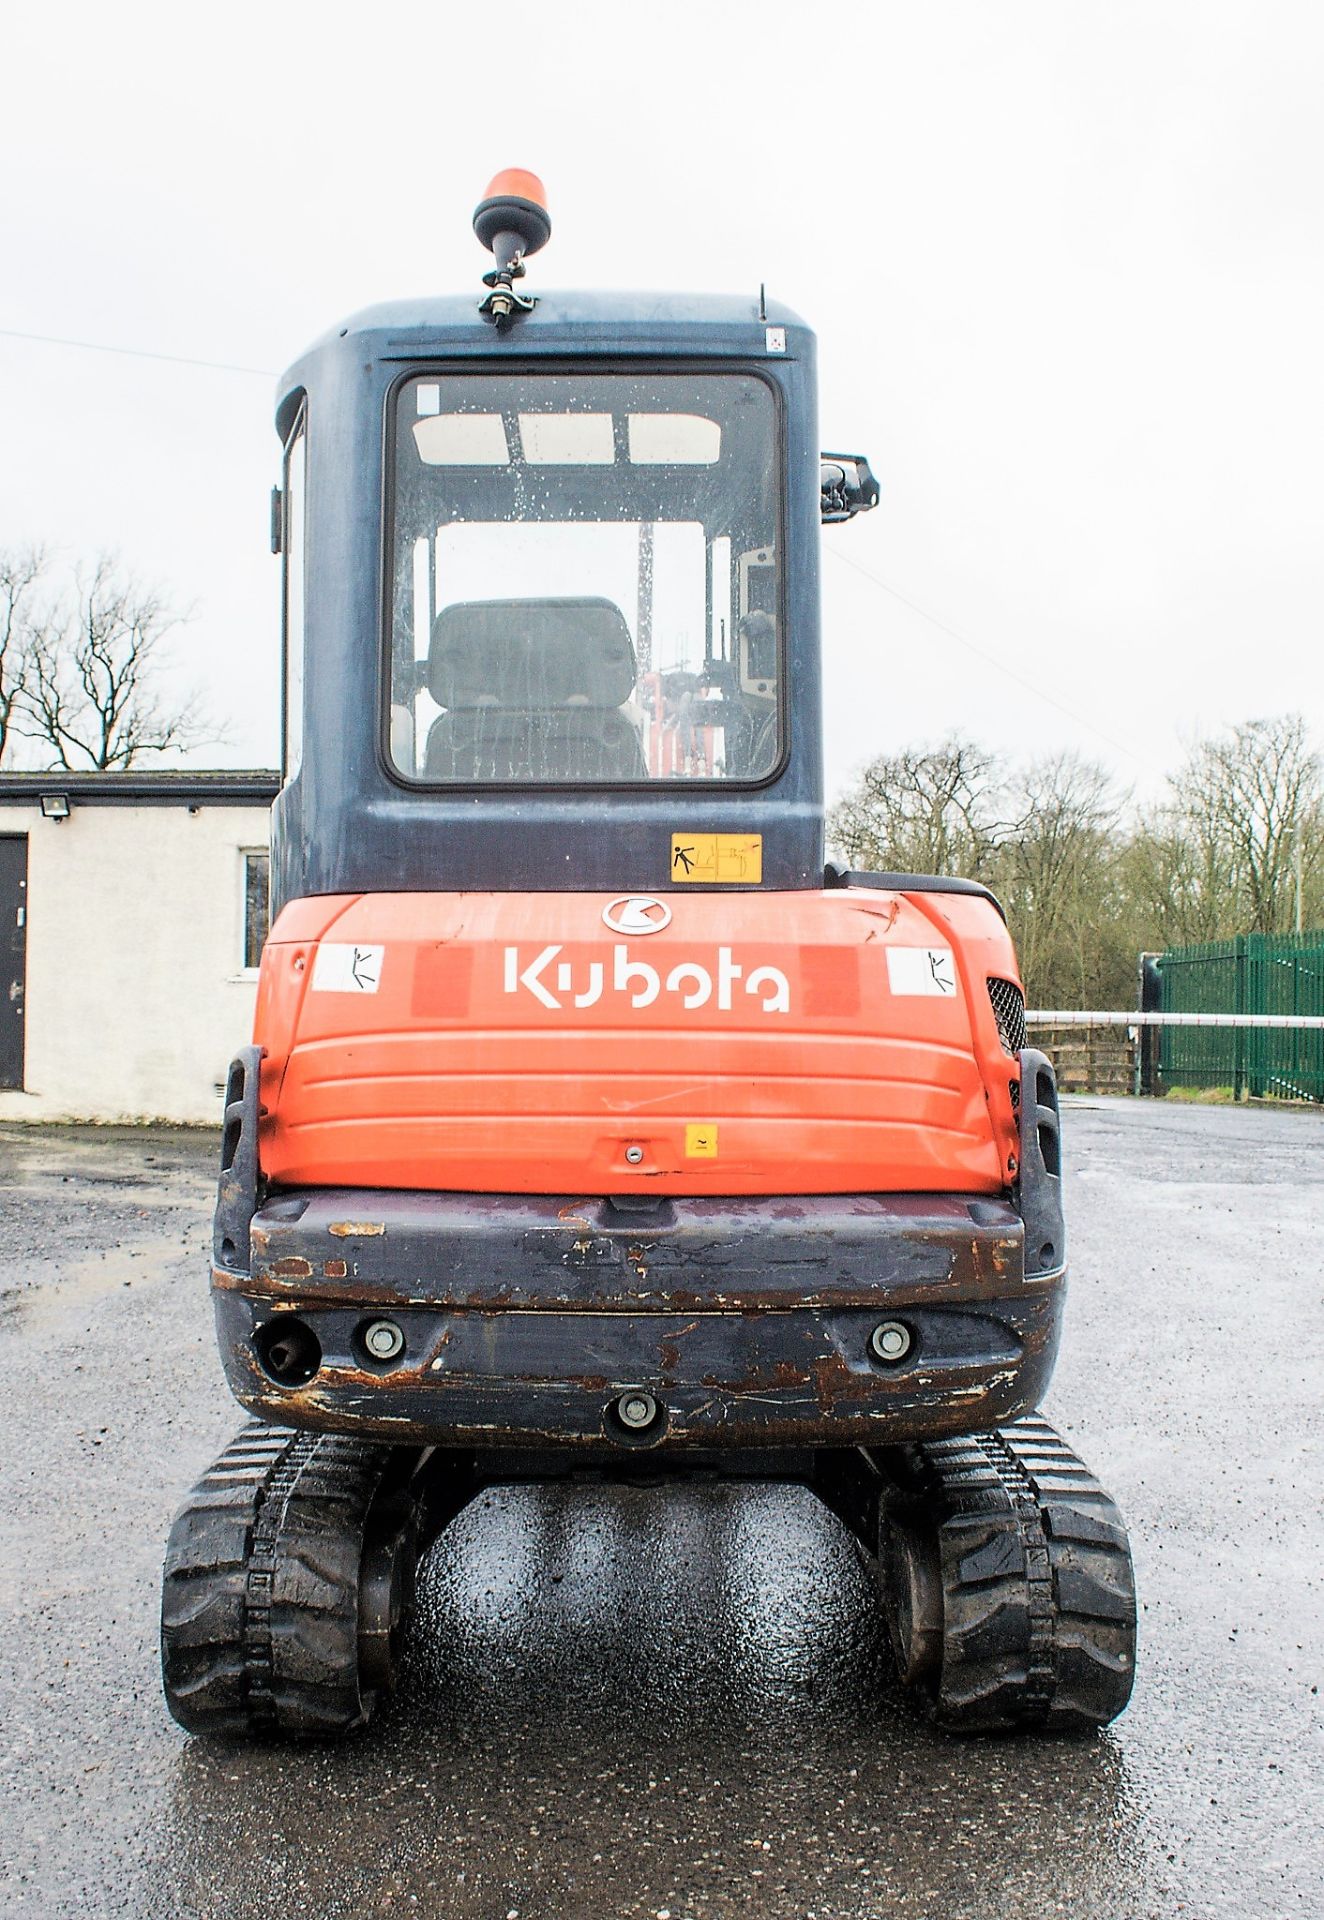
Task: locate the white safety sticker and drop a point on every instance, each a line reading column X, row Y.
column 776, row 339
column 913, row 970
column 342, row 969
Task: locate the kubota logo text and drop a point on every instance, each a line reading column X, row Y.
column 582, row 983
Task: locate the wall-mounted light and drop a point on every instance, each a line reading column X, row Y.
column 55, row 806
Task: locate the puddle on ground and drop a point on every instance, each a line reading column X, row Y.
column 44, row 1303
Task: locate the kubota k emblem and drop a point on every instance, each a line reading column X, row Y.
column 637, row 913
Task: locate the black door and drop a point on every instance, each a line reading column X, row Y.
column 13, row 954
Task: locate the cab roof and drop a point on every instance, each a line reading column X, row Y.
column 697, row 325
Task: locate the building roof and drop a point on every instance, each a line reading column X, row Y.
column 144, row 786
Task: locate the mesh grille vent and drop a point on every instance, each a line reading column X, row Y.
column 1009, row 1012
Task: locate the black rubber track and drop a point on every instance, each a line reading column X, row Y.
column 260, row 1597
column 1035, row 1597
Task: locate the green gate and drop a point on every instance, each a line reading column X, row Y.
column 1261, row 973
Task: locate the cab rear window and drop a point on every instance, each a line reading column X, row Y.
column 584, row 581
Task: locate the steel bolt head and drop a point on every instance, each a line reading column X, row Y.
column 890, row 1341
column 384, row 1340
column 637, row 1410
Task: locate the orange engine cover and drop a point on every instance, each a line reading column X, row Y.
column 740, row 1043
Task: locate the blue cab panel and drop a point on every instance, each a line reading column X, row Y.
column 357, row 813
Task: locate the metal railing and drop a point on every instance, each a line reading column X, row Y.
column 1098, row 1050
column 1310, row 1022
column 1272, row 986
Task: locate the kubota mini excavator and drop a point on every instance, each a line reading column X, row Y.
column 591, row 1122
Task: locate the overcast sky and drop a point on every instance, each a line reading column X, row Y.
column 1065, row 262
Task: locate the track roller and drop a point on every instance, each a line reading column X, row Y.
column 1011, row 1600
column 288, row 1577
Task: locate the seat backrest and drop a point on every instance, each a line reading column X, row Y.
column 531, row 656
column 533, row 690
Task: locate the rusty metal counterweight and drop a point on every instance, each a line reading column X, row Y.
column 1004, row 1573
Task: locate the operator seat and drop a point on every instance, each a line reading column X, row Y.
column 532, row 691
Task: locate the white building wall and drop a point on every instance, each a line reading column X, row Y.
column 137, row 996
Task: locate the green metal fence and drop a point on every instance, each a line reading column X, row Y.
column 1260, row 973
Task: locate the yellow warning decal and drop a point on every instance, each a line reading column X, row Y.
column 701, row 1141
column 717, row 857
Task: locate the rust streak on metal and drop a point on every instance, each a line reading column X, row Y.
column 357, row 1229
column 335, row 1269
column 787, row 1374
column 293, row 1268
column 833, row 1375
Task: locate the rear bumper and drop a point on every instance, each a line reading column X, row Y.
column 526, row 1317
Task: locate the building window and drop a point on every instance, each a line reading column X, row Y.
column 257, row 911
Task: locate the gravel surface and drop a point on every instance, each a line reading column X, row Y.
column 677, row 1703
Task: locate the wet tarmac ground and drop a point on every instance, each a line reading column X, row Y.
column 678, row 1703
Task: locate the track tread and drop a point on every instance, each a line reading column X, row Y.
column 1038, row 1595
column 260, row 1594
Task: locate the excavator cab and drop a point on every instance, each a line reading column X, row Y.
column 592, row 1122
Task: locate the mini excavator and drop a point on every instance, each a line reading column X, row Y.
column 593, row 1124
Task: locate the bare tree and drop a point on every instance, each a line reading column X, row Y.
column 926, row 810
column 89, row 694
column 1178, row 887
column 1056, row 875
column 1046, row 839
column 20, row 572
column 1086, row 885
column 1246, row 817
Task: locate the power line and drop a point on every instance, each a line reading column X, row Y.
column 989, row 658
column 267, row 373
column 135, row 353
